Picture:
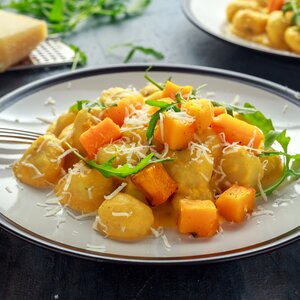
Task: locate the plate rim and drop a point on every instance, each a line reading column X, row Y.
column 39, row 240
column 186, row 8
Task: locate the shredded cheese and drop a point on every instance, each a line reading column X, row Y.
column 90, row 192
column 122, row 214
column 82, row 216
column 116, row 191
column 261, row 190
column 166, row 242
column 162, row 129
column 157, row 232
column 181, row 116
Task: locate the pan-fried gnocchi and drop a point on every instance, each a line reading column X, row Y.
column 271, row 23
column 172, row 160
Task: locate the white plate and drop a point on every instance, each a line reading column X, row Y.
column 21, row 213
column 210, row 16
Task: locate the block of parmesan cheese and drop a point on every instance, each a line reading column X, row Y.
column 19, row 35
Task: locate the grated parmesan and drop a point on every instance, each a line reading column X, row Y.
column 181, row 116
column 82, row 216
column 166, row 242
column 162, row 129
column 90, row 193
column 116, row 191
column 157, row 232
column 122, row 214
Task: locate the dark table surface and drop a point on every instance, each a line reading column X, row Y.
column 30, row 272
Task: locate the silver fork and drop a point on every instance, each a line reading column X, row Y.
column 13, row 142
column 17, row 136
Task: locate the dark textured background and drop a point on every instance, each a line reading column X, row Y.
column 30, row 272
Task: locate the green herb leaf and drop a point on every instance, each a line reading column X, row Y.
column 80, row 58
column 148, row 78
column 78, row 105
column 155, row 117
column 157, row 103
column 56, row 14
column 107, row 169
column 257, row 118
column 239, row 109
column 138, row 48
column 64, row 16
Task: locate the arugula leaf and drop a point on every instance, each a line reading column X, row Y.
column 277, row 153
column 80, row 58
column 148, row 78
column 164, row 106
column 138, row 48
column 294, row 6
column 157, row 103
column 78, row 105
column 258, row 119
column 107, row 169
column 291, row 163
column 64, row 16
column 266, row 126
column 231, row 108
column 56, row 14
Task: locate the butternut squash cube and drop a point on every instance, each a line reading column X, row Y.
column 202, row 110
column 236, row 130
column 218, row 110
column 127, row 104
column 171, row 89
column 236, row 202
column 155, row 183
column 176, row 132
column 198, row 216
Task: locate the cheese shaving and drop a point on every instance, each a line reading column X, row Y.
column 181, row 116
column 50, row 101
column 45, row 120
column 96, row 248
column 122, row 214
column 157, row 232
column 116, row 191
column 41, row 145
column 236, row 100
column 90, row 193
column 53, row 212
column 166, row 242
column 30, row 165
column 82, row 216
column 67, row 152
column 161, row 123
column 261, row 190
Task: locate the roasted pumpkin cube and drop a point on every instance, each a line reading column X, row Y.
column 176, row 132
column 202, row 110
column 128, row 104
column 236, row 130
column 155, row 183
column 219, row 110
column 198, row 217
column 171, row 89
column 236, row 202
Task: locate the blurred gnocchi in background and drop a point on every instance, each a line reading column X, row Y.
column 272, row 23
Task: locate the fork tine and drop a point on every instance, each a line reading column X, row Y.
column 17, row 136
column 16, row 141
column 20, row 132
